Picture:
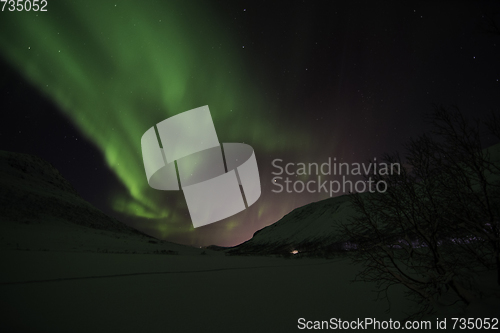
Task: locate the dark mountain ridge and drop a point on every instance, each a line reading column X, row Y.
column 313, row 229
column 41, row 210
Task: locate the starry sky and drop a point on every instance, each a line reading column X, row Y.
column 300, row 81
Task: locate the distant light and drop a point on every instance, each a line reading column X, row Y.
column 295, row 252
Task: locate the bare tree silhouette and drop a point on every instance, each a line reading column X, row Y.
column 438, row 222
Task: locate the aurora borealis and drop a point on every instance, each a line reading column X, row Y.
column 300, row 82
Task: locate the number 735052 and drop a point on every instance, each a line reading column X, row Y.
column 24, row 5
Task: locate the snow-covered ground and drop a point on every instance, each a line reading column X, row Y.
column 98, row 292
column 51, row 291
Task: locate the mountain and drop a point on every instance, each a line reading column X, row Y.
column 313, row 229
column 308, row 229
column 40, row 210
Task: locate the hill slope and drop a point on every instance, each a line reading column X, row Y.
column 40, row 210
column 313, row 228
column 310, row 228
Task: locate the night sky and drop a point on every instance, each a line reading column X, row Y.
column 298, row 81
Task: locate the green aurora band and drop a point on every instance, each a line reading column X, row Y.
column 117, row 69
